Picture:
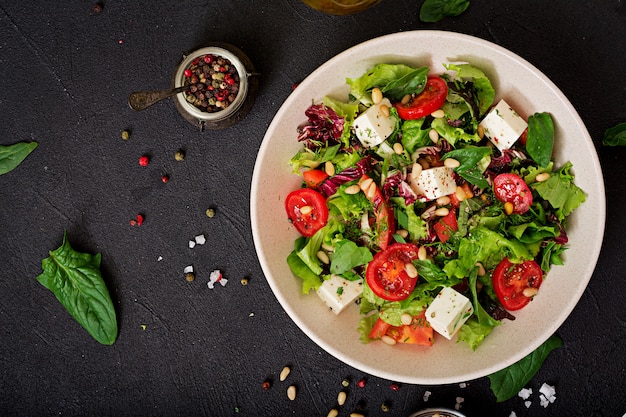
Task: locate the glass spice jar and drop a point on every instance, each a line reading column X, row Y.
column 341, row 7
column 222, row 86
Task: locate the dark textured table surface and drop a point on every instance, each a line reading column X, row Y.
column 184, row 350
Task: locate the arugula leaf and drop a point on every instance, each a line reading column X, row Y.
column 435, row 10
column 75, row 280
column 509, row 381
column 13, row 155
column 348, row 255
column 474, row 160
column 615, row 136
column 561, row 192
column 540, row 138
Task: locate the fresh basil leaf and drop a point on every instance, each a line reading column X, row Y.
column 348, row 255
column 509, row 381
column 615, row 136
column 470, row 169
column 75, row 279
column 435, row 10
column 410, row 83
column 540, row 138
column 13, row 155
column 382, row 75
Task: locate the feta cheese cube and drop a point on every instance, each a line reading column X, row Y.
column 448, row 312
column 338, row 293
column 433, row 183
column 372, row 127
column 503, row 126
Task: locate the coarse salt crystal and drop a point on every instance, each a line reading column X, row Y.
column 188, row 269
column 215, row 277
column 462, row 385
column 426, row 395
column 459, row 400
column 160, row 258
column 548, row 391
column 527, row 403
column 192, row 244
column 543, row 401
column 200, row 239
column 512, row 414
column 525, row 393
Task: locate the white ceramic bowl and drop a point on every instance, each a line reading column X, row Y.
column 528, row 91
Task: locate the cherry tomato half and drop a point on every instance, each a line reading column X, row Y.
column 446, row 225
column 386, row 274
column 510, row 280
column 430, row 99
column 418, row 332
column 307, row 211
column 314, row 177
column 512, row 188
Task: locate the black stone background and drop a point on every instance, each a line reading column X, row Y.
column 65, row 75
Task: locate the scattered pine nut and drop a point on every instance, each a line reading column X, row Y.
column 384, row 110
column 329, row 168
column 442, row 212
column 460, row 193
column 403, row 233
column 333, row 413
column 405, row 99
column 443, row 200
column 327, row 247
column 422, row 254
column 377, row 95
column 438, row 114
column 353, row 189
column 356, row 415
column 291, row 392
column 371, row 191
column 416, row 171
column 451, row 163
column 542, row 177
column 341, row 398
column 284, row 373
column 388, row 340
column 323, row 257
column 406, row 318
column 398, row 148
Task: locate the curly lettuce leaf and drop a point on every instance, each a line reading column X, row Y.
column 395, row 80
column 561, row 192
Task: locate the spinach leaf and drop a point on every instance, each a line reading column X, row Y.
column 348, row 255
column 615, row 136
column 540, row 138
column 13, row 155
column 75, row 279
column 413, row 82
column 509, row 381
column 435, row 10
column 470, row 169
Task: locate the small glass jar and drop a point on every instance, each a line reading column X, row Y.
column 341, row 7
column 215, row 111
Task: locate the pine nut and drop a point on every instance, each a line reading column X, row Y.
column 356, row 415
column 333, row 413
column 371, row 191
column 341, row 398
column 403, row 233
column 377, row 95
column 438, row 114
column 542, row 177
column 405, row 99
column 353, row 189
column 410, row 270
column 398, row 148
column 443, row 201
column 306, row 210
column 388, row 340
column 284, row 373
column 481, row 269
column 433, row 135
column 329, row 168
column 327, row 247
column 416, row 171
column 530, row 292
column 442, row 212
column 406, row 318
column 422, row 255
column 460, row 193
column 291, row 392
column 366, row 184
column 323, row 257
column 508, row 208
column 384, row 110
column 451, row 163
column 481, row 131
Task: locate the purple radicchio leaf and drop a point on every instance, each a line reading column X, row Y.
column 324, row 127
column 330, row 186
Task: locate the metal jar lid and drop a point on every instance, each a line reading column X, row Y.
column 433, row 412
column 241, row 105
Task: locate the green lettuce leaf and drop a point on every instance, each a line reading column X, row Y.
column 348, row 255
column 395, row 80
column 561, row 192
column 480, row 325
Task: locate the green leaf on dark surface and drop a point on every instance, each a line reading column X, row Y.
column 540, row 138
column 75, row 279
column 615, row 136
column 435, row 10
column 13, row 155
column 509, row 381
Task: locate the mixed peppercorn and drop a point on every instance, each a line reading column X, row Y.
column 213, row 83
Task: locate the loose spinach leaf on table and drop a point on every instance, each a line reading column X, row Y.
column 75, row 279
column 540, row 138
column 509, row 381
column 615, row 136
column 435, row 10
column 12, row 155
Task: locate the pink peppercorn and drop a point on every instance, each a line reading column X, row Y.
column 139, row 220
column 188, row 73
column 144, row 160
column 395, row 387
column 361, row 383
column 165, row 178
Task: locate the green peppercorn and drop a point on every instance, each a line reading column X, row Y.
column 179, row 155
column 125, row 134
column 210, row 212
column 345, row 382
column 244, row 281
column 385, row 407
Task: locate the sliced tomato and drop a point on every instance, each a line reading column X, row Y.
column 511, row 188
column 418, row 332
column 314, row 177
column 510, row 280
column 379, row 329
column 430, row 99
column 307, row 211
column 446, row 225
column 385, row 224
column 386, row 274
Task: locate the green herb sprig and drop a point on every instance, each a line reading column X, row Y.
column 13, row 155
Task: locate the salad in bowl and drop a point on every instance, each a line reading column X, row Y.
column 436, row 209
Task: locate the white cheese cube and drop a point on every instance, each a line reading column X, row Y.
column 372, row 127
column 433, row 183
column 338, row 293
column 448, row 312
column 503, row 126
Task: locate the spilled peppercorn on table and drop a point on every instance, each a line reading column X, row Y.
column 166, row 205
